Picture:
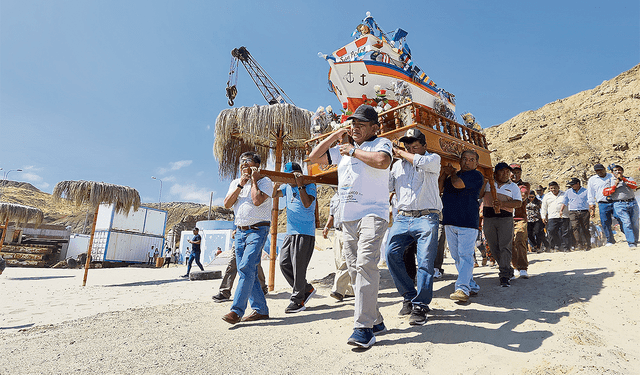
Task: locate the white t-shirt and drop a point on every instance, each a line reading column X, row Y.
column 363, row 190
column 509, row 189
column 246, row 213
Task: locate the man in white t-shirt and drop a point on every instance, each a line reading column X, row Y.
column 363, row 175
column 250, row 196
column 498, row 219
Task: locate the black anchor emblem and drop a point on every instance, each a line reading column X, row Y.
column 363, row 83
column 349, row 75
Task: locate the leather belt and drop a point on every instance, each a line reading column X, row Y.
column 625, row 200
column 419, row 213
column 255, row 226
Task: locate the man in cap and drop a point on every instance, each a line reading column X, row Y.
column 415, row 180
column 300, row 239
column 250, row 197
column 363, row 175
column 625, row 206
column 577, row 197
column 498, row 219
column 195, row 252
column 519, row 258
column 595, row 187
column 461, row 219
column 555, row 215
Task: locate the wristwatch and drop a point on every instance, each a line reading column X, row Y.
column 352, row 151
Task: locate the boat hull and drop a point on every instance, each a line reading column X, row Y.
column 353, row 83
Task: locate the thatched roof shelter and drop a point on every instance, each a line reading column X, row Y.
column 257, row 129
column 96, row 193
column 20, row 214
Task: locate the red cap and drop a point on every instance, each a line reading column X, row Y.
column 515, row 166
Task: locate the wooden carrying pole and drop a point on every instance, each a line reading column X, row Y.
column 88, row 262
column 274, row 216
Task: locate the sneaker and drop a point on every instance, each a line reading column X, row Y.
column 308, row 295
column 185, row 276
column 407, row 307
column 418, row 316
column 459, row 295
column 295, row 307
column 437, row 274
column 524, row 274
column 504, row 282
column 379, row 328
column 337, row 296
column 362, row 337
column 608, row 244
column 220, row 298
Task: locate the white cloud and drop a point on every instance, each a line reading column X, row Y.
column 169, row 178
column 191, row 193
column 28, row 175
column 174, row 166
column 208, row 127
column 200, row 174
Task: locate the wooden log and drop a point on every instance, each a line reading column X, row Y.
column 30, row 249
column 26, row 263
column 23, row 256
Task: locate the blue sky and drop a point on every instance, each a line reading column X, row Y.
column 119, row 91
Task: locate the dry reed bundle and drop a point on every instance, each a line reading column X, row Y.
column 96, row 193
column 20, row 214
column 255, row 129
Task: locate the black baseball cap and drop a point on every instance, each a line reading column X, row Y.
column 598, row 166
column 573, row 181
column 413, row 135
column 502, row 165
column 365, row 113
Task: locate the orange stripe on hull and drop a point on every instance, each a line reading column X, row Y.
column 383, row 71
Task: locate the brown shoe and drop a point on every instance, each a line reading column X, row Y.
column 231, row 318
column 255, row 316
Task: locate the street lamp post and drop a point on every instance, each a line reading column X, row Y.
column 160, row 198
column 5, row 176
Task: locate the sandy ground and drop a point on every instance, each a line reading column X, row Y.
column 577, row 314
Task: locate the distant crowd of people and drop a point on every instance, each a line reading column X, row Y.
column 432, row 204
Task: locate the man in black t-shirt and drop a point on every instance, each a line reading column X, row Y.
column 195, row 251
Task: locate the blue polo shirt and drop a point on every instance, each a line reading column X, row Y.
column 300, row 220
column 460, row 207
column 577, row 200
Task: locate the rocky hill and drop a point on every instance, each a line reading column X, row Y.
column 566, row 138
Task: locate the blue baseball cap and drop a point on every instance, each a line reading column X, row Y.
column 292, row 166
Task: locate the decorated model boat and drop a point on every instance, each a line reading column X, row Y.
column 376, row 68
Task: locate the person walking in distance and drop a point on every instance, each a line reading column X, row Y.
column 195, row 251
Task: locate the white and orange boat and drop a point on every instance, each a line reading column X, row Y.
column 377, row 67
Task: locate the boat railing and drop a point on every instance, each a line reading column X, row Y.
column 413, row 113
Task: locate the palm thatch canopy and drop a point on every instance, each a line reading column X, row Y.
column 256, row 129
column 96, row 193
column 20, row 214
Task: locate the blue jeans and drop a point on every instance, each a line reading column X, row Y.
column 606, row 211
column 462, row 245
column 249, row 244
column 627, row 214
column 195, row 255
column 405, row 230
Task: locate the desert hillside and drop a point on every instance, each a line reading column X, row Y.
column 566, row 138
